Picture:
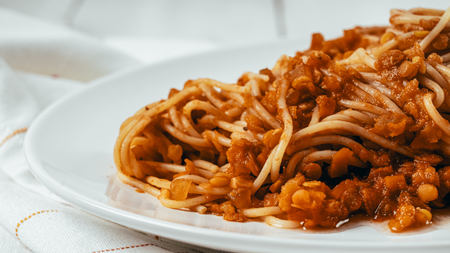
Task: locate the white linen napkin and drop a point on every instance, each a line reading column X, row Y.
column 39, row 63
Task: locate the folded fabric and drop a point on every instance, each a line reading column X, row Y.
column 40, row 63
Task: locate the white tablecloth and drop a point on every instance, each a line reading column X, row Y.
column 39, row 63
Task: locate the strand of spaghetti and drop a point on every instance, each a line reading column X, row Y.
column 357, row 148
column 280, row 67
column 319, row 155
column 147, row 107
column 374, row 77
column 234, row 112
column 193, row 189
column 262, row 211
column 138, row 184
column 406, row 17
column 252, row 75
column 240, row 100
column 194, row 178
column 392, row 43
column 260, row 79
column 240, row 123
column 424, row 11
column 179, row 168
column 125, row 149
column 201, row 209
column 258, row 136
column 298, row 157
column 371, row 76
column 437, row 76
column 443, row 80
column 352, row 59
column 264, row 171
column 225, row 167
column 219, row 138
column 359, row 116
column 167, row 166
column 230, row 127
column 360, row 67
column 439, row 93
column 434, row 114
column 205, row 173
column 272, row 121
column 187, row 202
column 327, row 155
column 287, row 131
column 306, row 106
column 371, row 115
column 211, row 94
column 174, row 118
column 385, row 101
column 383, row 89
column 254, row 88
column 206, row 165
column 445, row 57
column 358, row 92
column 203, row 106
column 279, row 223
column 127, row 122
column 235, row 97
column 238, row 135
column 188, row 127
column 211, row 137
column 362, row 106
column 445, row 71
column 223, row 86
column 247, row 135
column 340, row 117
column 436, row 30
column 118, row 146
column 353, row 128
column 385, row 47
column 364, row 56
column 184, row 137
column 172, row 101
column 137, row 171
column 362, row 95
column 158, row 133
column 315, row 117
column 141, row 141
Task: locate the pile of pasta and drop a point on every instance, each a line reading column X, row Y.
column 354, row 125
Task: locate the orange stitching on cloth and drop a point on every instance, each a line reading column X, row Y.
column 18, row 131
column 29, row 217
column 127, row 247
column 135, row 246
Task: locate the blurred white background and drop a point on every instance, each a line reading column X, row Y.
column 151, row 30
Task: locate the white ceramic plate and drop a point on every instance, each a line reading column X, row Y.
column 69, row 148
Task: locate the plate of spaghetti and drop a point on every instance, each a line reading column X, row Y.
column 345, row 145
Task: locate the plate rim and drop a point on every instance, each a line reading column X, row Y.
column 85, row 203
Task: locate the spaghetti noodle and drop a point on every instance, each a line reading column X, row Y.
column 356, row 124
